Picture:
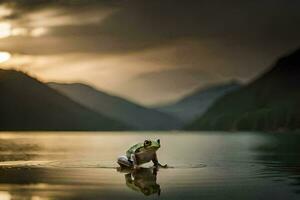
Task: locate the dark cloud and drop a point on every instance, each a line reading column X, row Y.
column 21, row 7
column 237, row 21
column 143, row 23
column 35, row 4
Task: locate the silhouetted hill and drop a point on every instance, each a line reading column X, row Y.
column 117, row 108
column 270, row 103
column 28, row 104
column 194, row 105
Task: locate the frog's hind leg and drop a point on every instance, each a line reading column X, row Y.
column 124, row 162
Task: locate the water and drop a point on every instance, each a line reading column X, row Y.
column 203, row 165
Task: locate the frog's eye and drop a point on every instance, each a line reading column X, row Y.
column 158, row 141
column 147, row 143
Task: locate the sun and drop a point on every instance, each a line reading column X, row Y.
column 4, row 56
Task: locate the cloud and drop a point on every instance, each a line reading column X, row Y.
column 231, row 39
column 123, row 26
column 152, row 22
column 32, row 5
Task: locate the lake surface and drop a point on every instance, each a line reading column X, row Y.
column 204, row 165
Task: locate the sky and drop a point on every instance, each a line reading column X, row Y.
column 149, row 51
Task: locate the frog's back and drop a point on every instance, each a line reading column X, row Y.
column 133, row 149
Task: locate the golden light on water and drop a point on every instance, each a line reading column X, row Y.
column 4, row 56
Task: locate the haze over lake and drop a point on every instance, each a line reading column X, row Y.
column 210, row 165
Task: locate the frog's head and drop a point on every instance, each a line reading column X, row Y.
column 152, row 144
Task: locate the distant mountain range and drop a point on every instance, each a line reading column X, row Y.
column 152, row 88
column 195, row 104
column 270, row 103
column 28, row 104
column 136, row 116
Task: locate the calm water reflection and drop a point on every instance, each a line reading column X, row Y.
column 210, row 165
column 142, row 180
column 280, row 155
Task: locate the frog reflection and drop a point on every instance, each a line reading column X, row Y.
column 143, row 180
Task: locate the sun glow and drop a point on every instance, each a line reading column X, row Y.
column 4, row 56
column 5, row 11
column 5, row 195
column 5, row 29
column 38, row 32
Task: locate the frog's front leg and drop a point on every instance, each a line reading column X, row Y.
column 156, row 163
column 155, row 160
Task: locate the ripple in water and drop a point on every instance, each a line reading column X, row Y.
column 83, row 164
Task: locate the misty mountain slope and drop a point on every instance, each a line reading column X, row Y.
column 117, row 108
column 270, row 103
column 28, row 104
column 198, row 102
column 154, row 88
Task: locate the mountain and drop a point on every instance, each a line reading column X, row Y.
column 270, row 103
column 28, row 104
column 195, row 104
column 117, row 108
column 154, row 88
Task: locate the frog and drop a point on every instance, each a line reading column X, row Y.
column 141, row 153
